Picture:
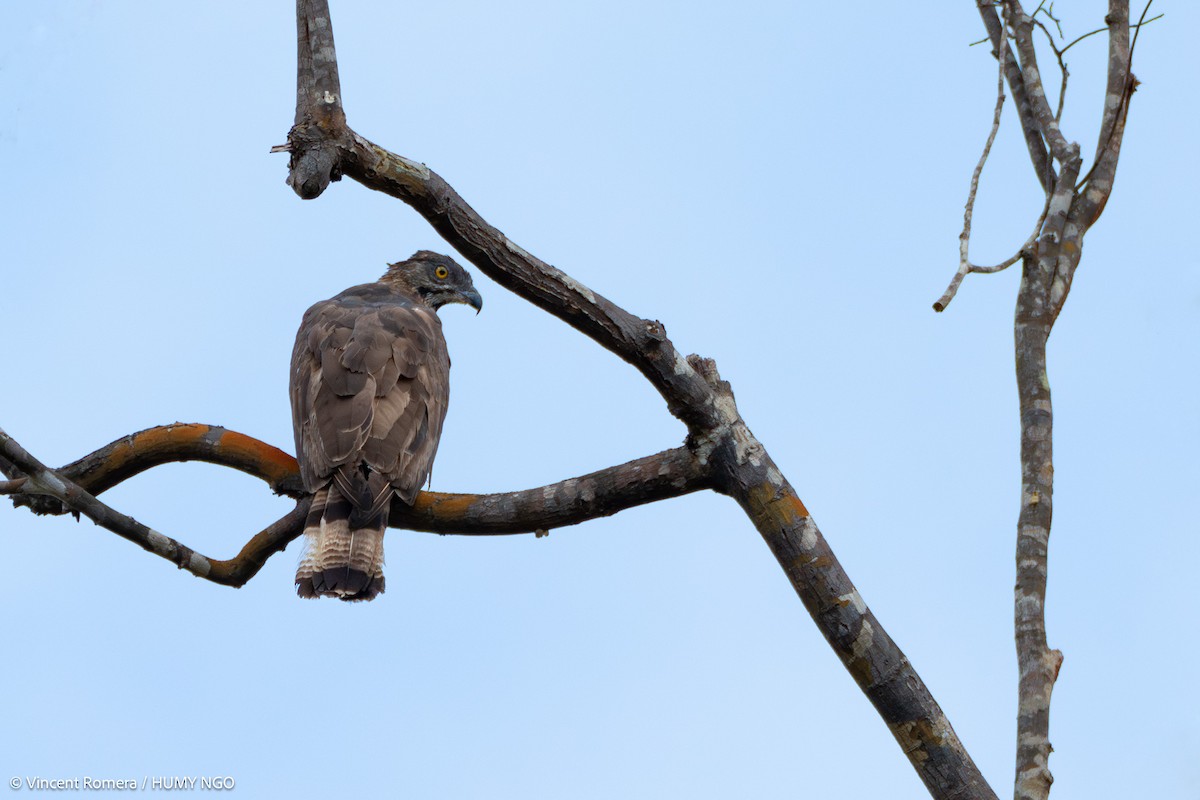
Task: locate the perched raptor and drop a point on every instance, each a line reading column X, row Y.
column 370, row 383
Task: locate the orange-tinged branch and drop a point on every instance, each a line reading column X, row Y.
column 74, row 489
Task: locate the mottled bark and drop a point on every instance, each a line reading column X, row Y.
column 717, row 436
column 1048, row 268
column 746, row 472
column 39, row 480
column 720, row 451
column 130, row 455
column 318, row 97
column 1037, row 665
column 1044, row 121
column 641, row 342
column 73, row 489
column 1043, row 167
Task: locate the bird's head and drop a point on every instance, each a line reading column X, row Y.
column 435, row 278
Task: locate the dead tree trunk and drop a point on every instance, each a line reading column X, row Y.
column 1048, row 261
column 720, row 452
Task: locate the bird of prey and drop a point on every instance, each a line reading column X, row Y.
column 369, row 386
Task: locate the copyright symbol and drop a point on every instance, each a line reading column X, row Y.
column 15, row 783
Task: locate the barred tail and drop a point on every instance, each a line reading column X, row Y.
column 339, row 561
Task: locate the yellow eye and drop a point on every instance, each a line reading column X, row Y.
column 441, row 273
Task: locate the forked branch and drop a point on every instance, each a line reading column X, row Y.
column 74, row 488
column 1049, row 261
column 694, row 392
column 965, row 267
column 720, row 451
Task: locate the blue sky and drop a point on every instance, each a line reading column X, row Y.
column 784, row 192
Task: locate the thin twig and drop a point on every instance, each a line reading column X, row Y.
column 964, row 238
column 1062, row 66
column 965, row 267
column 1102, row 30
column 1062, row 89
column 1137, row 29
column 1049, row 12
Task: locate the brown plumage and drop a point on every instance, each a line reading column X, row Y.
column 370, row 383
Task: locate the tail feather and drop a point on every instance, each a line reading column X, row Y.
column 340, row 561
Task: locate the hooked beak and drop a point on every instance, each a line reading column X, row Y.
column 473, row 299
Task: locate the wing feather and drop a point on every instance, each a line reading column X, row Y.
column 369, row 390
column 370, row 345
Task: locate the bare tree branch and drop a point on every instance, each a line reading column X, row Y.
column 872, row 657
column 1049, row 266
column 1045, row 285
column 1043, row 167
column 1022, row 27
column 318, row 98
column 43, row 481
column 671, row 473
column 642, row 343
column 130, row 455
column 1121, row 86
column 1144, row 21
column 1049, row 12
column 965, row 267
column 114, row 463
column 696, row 395
column 1038, row 665
column 720, row 452
column 964, row 239
column 318, row 87
column 1058, row 55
